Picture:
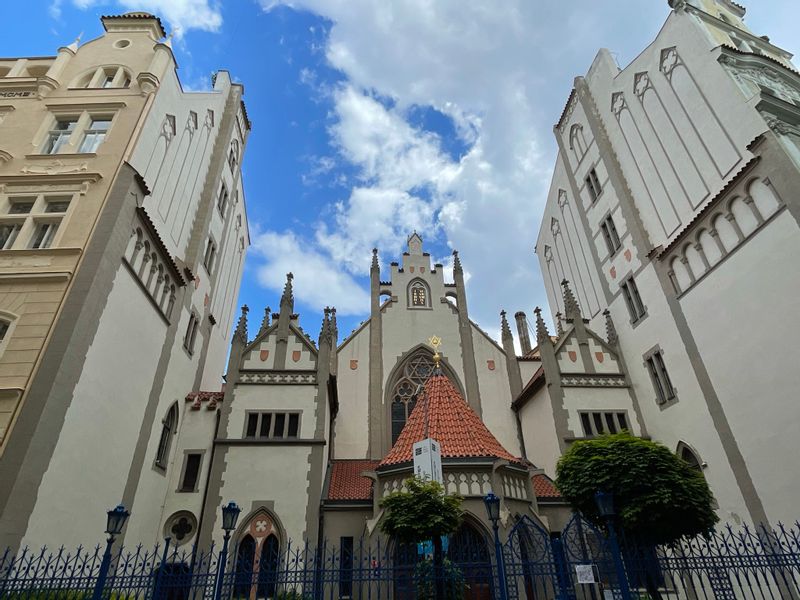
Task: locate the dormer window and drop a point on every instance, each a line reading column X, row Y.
column 418, row 295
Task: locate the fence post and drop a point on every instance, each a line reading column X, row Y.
column 105, row 565
column 619, row 565
column 563, row 577
column 223, row 558
column 159, row 573
column 501, row 565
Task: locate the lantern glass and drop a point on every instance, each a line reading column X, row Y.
column 116, row 520
column 230, row 514
column 605, row 503
column 492, row 503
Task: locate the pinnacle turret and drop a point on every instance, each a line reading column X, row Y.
column 375, row 264
column 325, row 330
column 287, row 299
column 505, row 330
column 571, row 309
column 611, row 331
column 241, row 327
column 265, row 322
column 559, row 323
column 334, row 325
column 456, row 262
column 542, row 335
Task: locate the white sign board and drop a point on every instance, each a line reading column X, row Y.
column 585, row 573
column 428, row 460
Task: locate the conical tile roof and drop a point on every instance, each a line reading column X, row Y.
column 451, row 422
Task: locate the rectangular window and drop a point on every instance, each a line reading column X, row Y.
column 222, row 201
column 39, row 216
column 193, row 119
column 21, row 207
column 593, row 185
column 108, row 80
column 59, row 135
column 95, row 135
column 8, row 234
column 272, row 425
column 4, row 325
column 43, row 236
column 633, row 300
column 660, row 378
column 610, row 235
column 598, row 423
column 191, row 471
column 210, row 255
column 191, row 333
column 346, row 567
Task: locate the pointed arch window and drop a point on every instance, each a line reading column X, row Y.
column 418, row 295
column 168, row 428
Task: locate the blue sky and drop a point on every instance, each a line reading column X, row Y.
column 374, row 118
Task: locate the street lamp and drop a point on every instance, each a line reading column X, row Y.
column 605, row 507
column 115, row 521
column 492, row 504
column 230, row 514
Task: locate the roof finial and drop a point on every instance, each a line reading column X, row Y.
column 325, row 331
column 611, row 331
column 505, row 330
column 287, row 299
column 542, row 335
column 334, row 325
column 571, row 309
column 74, row 45
column 435, row 341
column 241, row 327
column 559, row 323
column 265, row 322
column 375, row 263
column 456, row 262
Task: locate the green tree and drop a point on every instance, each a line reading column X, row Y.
column 658, row 497
column 423, row 512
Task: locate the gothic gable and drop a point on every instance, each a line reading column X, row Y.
column 260, row 355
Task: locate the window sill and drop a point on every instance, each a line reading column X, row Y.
column 638, row 320
column 179, row 491
column 35, row 251
column 61, row 155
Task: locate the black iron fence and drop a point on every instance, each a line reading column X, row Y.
column 581, row 562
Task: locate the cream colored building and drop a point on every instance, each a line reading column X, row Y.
column 674, row 206
column 123, row 232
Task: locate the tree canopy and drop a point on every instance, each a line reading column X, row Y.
column 423, row 512
column 658, row 497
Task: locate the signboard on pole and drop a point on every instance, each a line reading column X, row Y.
column 585, row 573
column 428, row 460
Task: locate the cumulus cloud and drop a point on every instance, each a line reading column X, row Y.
column 318, row 281
column 182, row 15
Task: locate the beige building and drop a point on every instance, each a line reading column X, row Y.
column 122, row 238
column 674, row 207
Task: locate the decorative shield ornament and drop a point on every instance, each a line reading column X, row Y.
column 264, row 355
column 353, row 364
column 599, row 356
column 196, row 281
column 627, row 255
column 490, row 364
column 573, row 356
column 261, row 526
column 296, row 355
column 613, row 272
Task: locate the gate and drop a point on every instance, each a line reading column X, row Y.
column 533, row 570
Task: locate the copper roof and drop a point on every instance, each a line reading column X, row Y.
column 451, row 422
column 347, row 482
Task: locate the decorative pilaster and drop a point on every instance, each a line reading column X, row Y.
column 284, row 318
column 378, row 430
column 465, row 332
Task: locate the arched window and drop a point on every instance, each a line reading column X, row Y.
column 418, row 294
column 257, row 559
column 689, row 455
column 412, row 374
column 168, row 428
column 577, row 142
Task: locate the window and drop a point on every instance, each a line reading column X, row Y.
column 610, row 235
column 593, row 185
column 346, row 567
column 210, row 256
column 4, row 326
column 210, row 117
column 233, row 155
column 690, row 457
column 191, row 472
column 598, row 423
column 222, row 201
column 660, row 378
column 108, row 80
column 95, row 135
column 191, row 333
column 32, row 221
column 193, row 119
column 59, row 135
column 168, row 428
column 633, row 300
column 272, row 425
column 418, row 294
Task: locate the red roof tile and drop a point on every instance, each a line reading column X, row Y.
column 544, row 488
column 347, row 482
column 451, row 422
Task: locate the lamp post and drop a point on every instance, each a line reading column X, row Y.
column 492, row 503
column 605, row 506
column 115, row 521
column 230, row 514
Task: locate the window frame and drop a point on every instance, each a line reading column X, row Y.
column 190, row 337
column 28, row 223
column 222, row 199
column 610, row 234
column 169, row 427
column 414, row 284
column 210, row 256
column 656, row 367
column 592, row 182
column 56, row 138
column 182, row 487
column 256, row 417
column 633, row 300
column 620, row 419
column 99, row 133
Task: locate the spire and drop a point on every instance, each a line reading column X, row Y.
column 559, row 323
column 375, row 264
column 241, row 327
column 287, row 299
column 611, row 331
column 334, row 326
column 74, row 45
column 265, row 322
column 325, row 331
column 505, row 330
column 456, row 263
column 522, row 331
column 542, row 335
column 571, row 309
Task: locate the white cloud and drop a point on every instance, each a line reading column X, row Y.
column 182, row 15
column 318, row 281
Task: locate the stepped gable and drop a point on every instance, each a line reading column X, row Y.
column 451, row 422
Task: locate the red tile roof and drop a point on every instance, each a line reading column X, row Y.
column 451, row 422
column 347, row 482
column 544, row 488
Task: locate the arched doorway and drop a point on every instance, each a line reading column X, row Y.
column 257, row 559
